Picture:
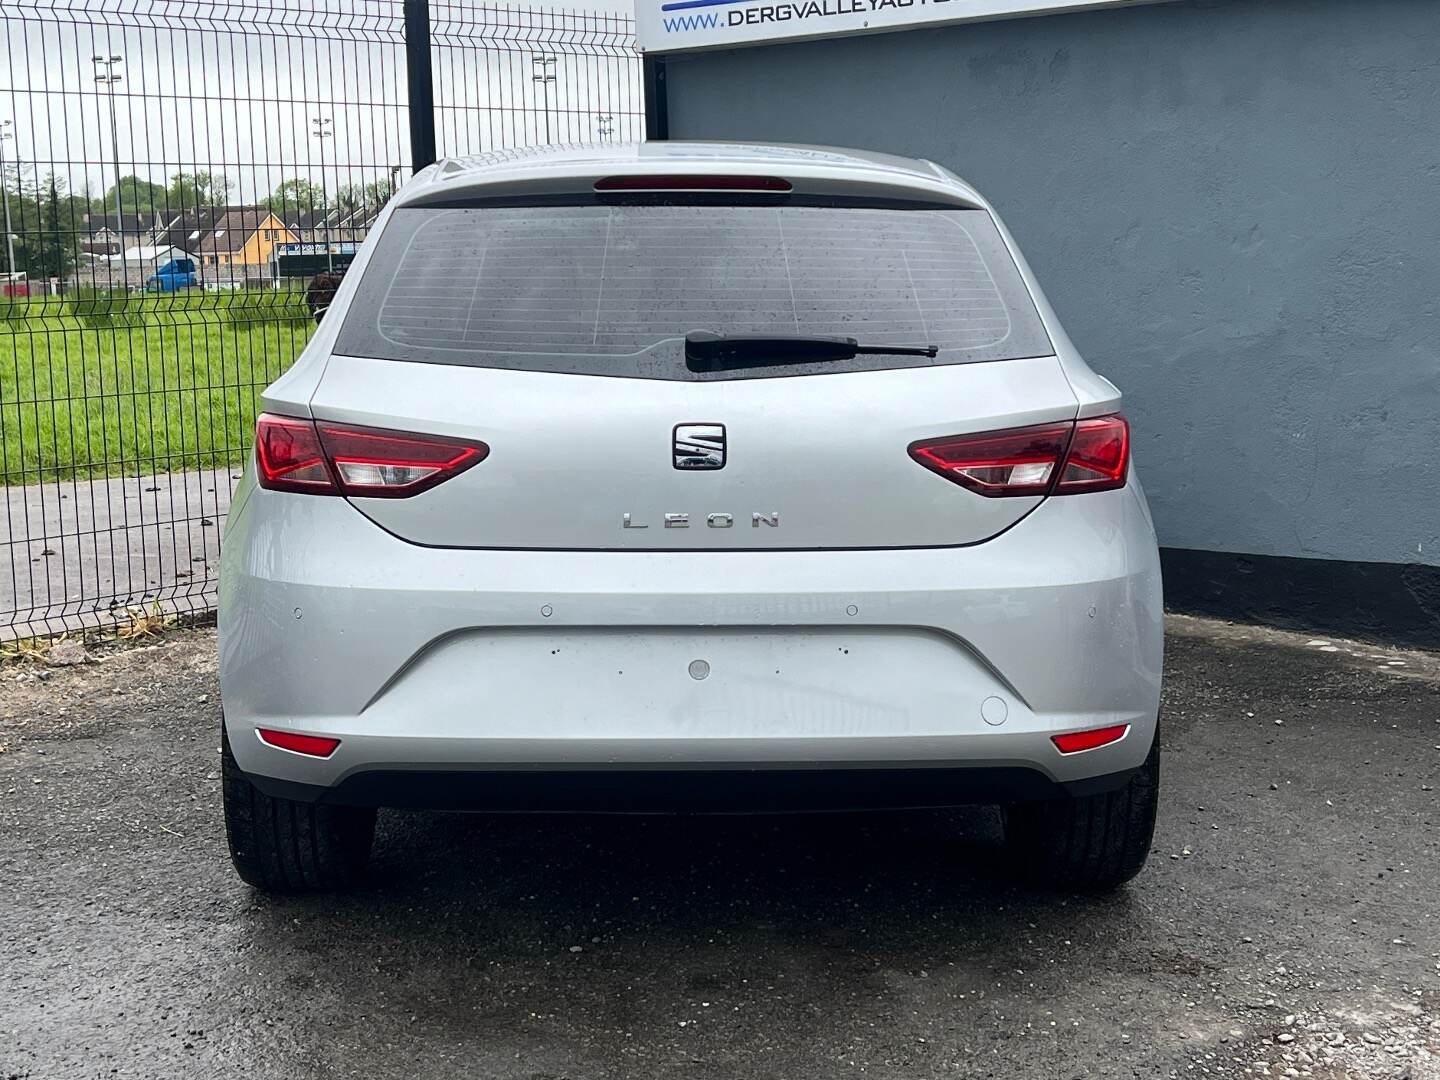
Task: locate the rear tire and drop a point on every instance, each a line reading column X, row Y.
column 284, row 846
column 1089, row 844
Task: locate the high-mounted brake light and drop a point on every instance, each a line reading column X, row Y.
column 310, row 745
column 693, row 183
column 325, row 458
column 1074, row 742
column 1048, row 459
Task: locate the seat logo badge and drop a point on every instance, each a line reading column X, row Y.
column 698, row 446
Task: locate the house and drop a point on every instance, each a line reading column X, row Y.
column 354, row 225
column 228, row 243
column 242, row 239
column 337, row 225
column 107, row 234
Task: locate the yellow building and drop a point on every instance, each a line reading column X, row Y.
column 242, row 241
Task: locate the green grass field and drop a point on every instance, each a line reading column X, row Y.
column 138, row 385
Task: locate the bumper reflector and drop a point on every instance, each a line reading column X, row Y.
column 1074, row 741
column 312, row 745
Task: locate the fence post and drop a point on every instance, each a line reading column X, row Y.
column 657, row 105
column 421, row 83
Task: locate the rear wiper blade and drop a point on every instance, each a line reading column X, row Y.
column 706, row 351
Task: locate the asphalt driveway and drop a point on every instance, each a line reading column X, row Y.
column 77, row 549
column 1287, row 924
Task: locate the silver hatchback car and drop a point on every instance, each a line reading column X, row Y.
column 689, row 476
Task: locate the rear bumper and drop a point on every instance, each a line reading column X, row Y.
column 471, row 678
column 738, row 790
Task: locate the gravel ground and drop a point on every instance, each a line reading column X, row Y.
column 1286, row 924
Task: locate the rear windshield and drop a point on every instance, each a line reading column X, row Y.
column 612, row 290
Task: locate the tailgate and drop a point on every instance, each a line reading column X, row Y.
column 585, row 462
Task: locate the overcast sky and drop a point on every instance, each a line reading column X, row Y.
column 234, row 86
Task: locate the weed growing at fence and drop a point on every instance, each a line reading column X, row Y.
column 100, row 309
column 247, row 309
column 13, row 307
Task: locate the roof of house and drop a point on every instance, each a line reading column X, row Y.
column 334, row 220
column 300, row 220
column 129, row 223
column 154, row 252
column 232, row 229
column 361, row 218
column 188, row 227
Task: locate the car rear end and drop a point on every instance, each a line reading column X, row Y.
column 506, row 545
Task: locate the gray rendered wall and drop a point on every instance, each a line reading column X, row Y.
column 1234, row 205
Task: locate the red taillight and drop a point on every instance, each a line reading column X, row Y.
column 1075, row 741
column 1059, row 459
column 288, row 456
column 693, row 183
column 1019, row 462
column 324, row 458
column 313, row 745
column 1099, row 456
column 390, row 464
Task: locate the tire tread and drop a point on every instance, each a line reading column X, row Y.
column 1087, row 844
column 284, row 846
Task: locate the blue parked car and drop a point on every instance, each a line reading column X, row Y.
column 175, row 275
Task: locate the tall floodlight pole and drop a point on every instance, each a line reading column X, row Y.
column 5, row 188
column 320, row 128
column 108, row 79
column 543, row 66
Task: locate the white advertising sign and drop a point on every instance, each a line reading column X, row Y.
column 669, row 26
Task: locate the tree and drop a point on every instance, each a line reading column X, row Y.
column 189, row 190
column 349, row 198
column 296, row 194
column 53, row 254
column 24, row 199
column 378, row 193
column 137, row 196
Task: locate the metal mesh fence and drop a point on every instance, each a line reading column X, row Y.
column 176, row 173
